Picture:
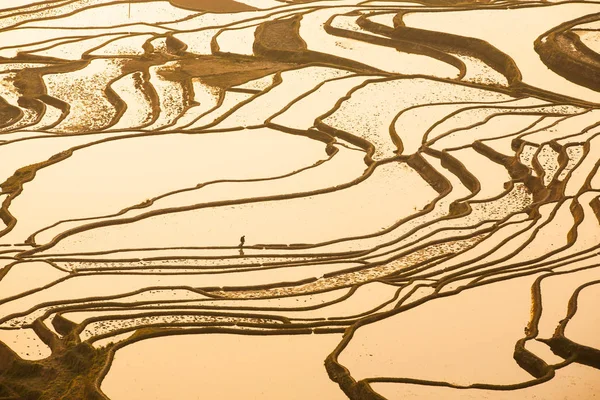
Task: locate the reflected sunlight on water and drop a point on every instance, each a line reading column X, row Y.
column 299, row 199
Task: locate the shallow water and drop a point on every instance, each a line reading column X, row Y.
column 265, row 367
column 299, row 199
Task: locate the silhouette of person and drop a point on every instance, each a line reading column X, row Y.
column 242, row 241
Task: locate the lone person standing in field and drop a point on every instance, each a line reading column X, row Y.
column 242, row 241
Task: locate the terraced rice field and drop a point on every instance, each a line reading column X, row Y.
column 299, row 199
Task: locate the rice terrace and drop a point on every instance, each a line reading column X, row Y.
column 299, row 199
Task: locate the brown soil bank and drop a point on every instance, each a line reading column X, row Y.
column 224, row 72
column 69, row 374
column 565, row 54
column 280, row 41
column 217, row 6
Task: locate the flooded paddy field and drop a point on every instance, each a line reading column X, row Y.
column 299, row 199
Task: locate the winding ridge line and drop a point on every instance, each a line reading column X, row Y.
column 375, row 167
